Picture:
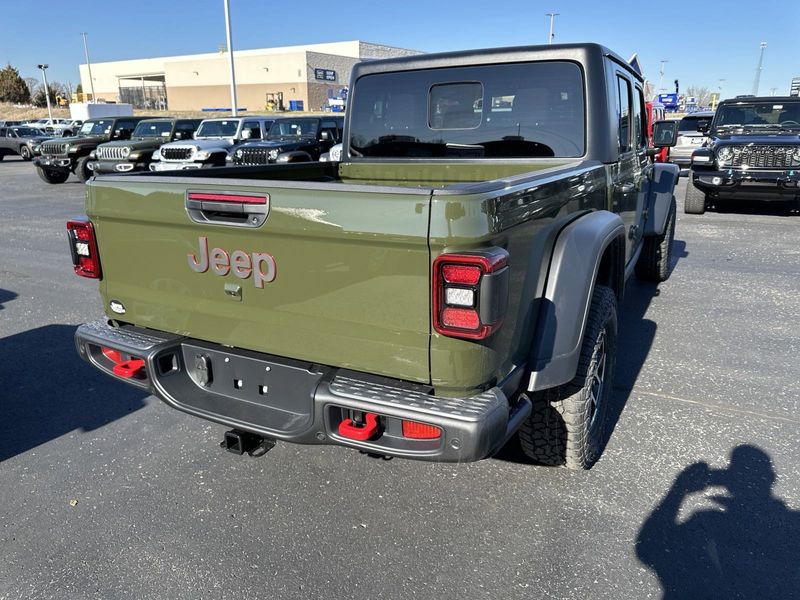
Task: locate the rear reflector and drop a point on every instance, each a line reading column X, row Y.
column 238, row 198
column 83, row 246
column 420, row 431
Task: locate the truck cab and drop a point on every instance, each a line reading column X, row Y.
column 212, row 141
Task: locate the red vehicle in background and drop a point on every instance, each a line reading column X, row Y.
column 656, row 112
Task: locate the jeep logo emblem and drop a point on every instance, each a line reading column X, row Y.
column 258, row 264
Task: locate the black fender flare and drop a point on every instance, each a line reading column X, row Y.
column 660, row 190
column 564, row 307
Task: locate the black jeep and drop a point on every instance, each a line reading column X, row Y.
column 753, row 152
column 61, row 156
column 291, row 140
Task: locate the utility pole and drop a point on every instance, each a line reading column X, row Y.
column 88, row 66
column 757, row 80
column 46, row 89
column 661, row 74
column 552, row 16
column 230, row 56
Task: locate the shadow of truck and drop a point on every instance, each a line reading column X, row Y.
column 46, row 390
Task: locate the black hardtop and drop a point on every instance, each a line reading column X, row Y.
column 601, row 142
column 757, row 99
column 582, row 53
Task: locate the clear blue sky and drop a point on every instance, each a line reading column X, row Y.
column 703, row 41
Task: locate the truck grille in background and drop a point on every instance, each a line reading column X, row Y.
column 252, row 156
column 51, row 148
column 110, row 153
column 763, row 157
column 176, row 153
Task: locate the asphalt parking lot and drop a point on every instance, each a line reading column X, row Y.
column 108, row 493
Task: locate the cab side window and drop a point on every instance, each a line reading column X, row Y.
column 331, row 127
column 624, row 114
column 255, row 129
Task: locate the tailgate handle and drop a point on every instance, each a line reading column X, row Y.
column 227, row 208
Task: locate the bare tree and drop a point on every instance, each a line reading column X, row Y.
column 702, row 93
column 32, row 84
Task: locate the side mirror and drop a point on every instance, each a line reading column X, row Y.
column 325, row 136
column 704, row 126
column 247, row 134
column 665, row 134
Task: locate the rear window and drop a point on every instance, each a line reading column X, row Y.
column 689, row 124
column 523, row 110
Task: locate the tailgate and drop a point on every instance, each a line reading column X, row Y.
column 350, row 266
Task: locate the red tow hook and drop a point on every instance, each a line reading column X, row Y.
column 129, row 369
column 352, row 431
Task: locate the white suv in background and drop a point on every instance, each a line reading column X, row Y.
column 690, row 138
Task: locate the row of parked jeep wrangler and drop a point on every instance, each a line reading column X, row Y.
column 126, row 144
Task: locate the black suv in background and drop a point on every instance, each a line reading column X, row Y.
column 136, row 154
column 61, row 156
column 300, row 139
column 753, row 152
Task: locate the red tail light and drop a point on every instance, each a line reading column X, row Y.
column 83, row 246
column 470, row 292
column 420, row 431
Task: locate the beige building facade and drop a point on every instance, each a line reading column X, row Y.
column 306, row 74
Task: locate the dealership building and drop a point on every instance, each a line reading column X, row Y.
column 302, row 77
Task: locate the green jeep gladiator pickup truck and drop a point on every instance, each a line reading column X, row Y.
column 451, row 282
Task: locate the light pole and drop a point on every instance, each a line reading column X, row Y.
column 88, row 65
column 552, row 16
column 230, row 56
column 46, row 89
column 661, row 75
column 757, row 80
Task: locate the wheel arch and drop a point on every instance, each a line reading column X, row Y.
column 587, row 252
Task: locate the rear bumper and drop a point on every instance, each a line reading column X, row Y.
column 753, row 184
column 302, row 402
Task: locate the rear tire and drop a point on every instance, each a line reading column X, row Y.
column 567, row 424
column 695, row 203
column 82, row 171
column 52, row 176
column 25, row 153
column 654, row 261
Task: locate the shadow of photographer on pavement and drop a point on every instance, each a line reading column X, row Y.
column 745, row 545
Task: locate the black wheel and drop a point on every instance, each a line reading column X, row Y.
column 653, row 263
column 567, row 424
column 2, row 156
column 695, row 203
column 25, row 153
column 82, row 171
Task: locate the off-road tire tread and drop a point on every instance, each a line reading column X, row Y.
column 556, row 433
column 695, row 202
column 654, row 261
column 81, row 171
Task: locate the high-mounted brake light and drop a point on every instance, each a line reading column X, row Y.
column 83, row 246
column 470, row 292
